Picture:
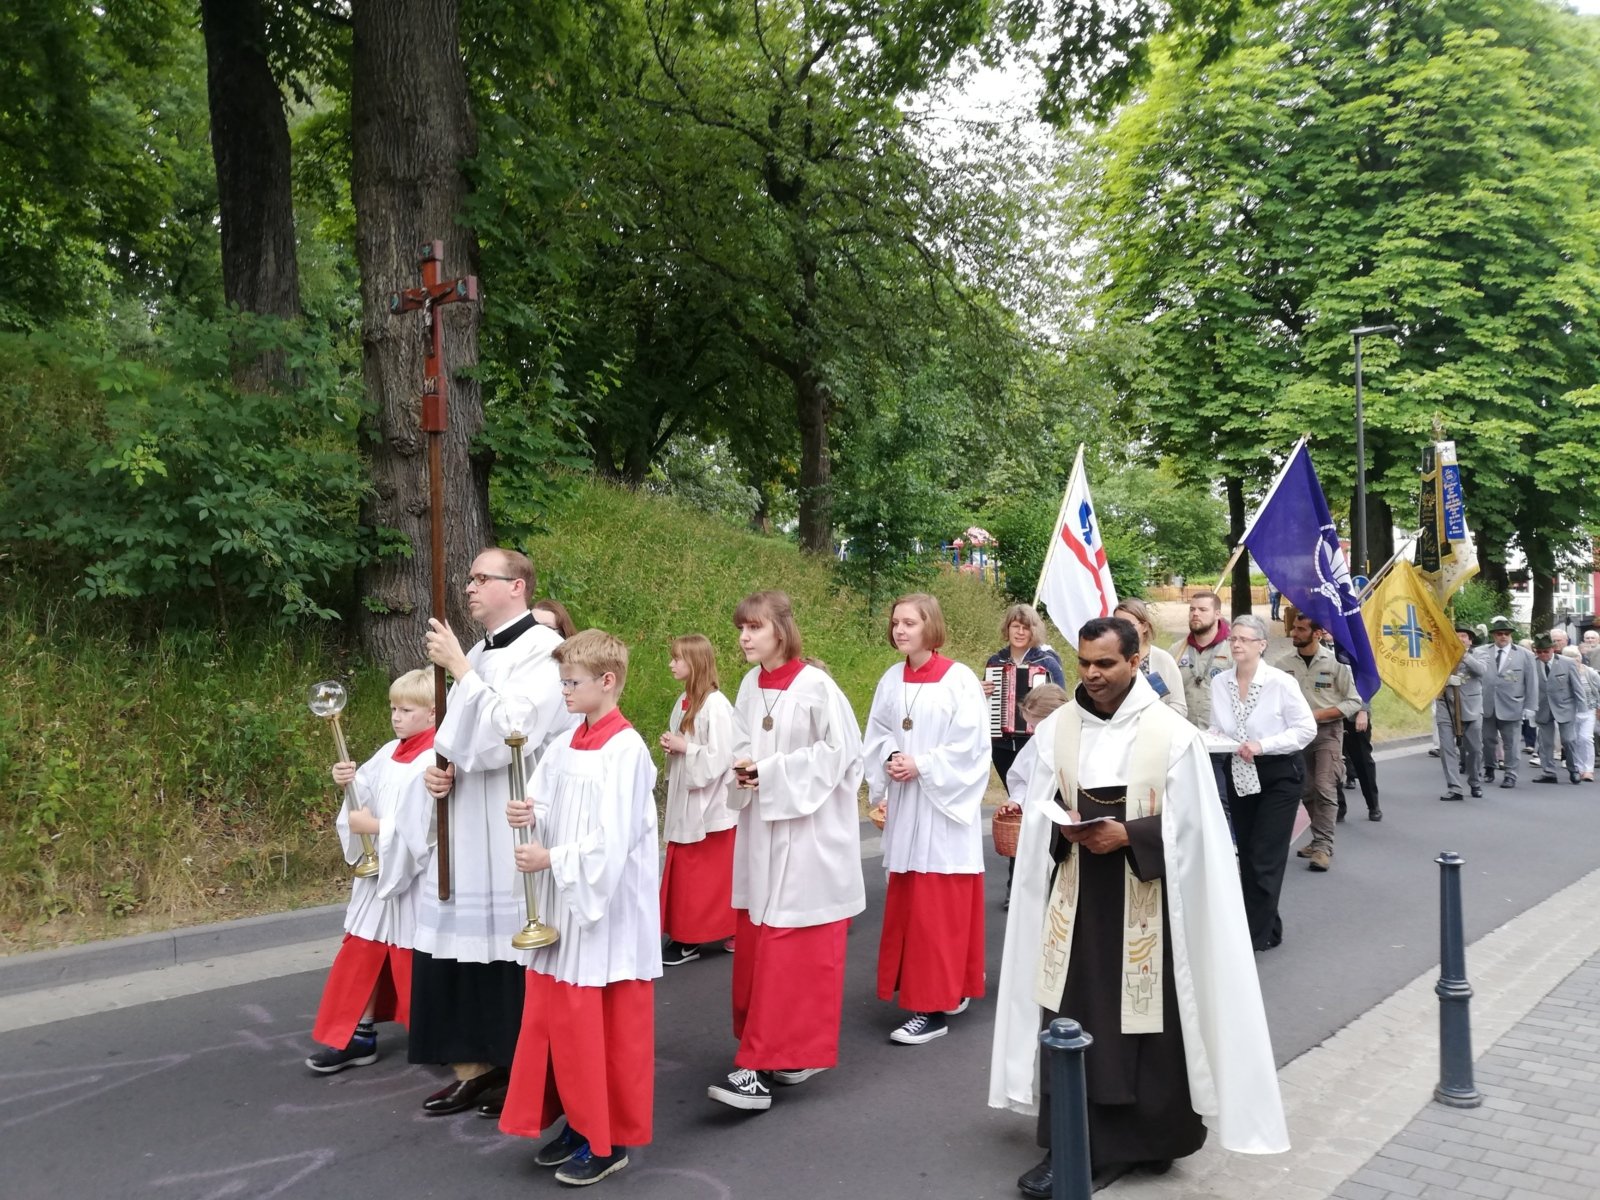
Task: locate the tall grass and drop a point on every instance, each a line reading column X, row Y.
column 163, row 774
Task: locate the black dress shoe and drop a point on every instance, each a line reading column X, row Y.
column 465, row 1093
column 1038, row 1181
column 493, row 1104
column 1374, row 814
column 1546, row 779
column 1510, row 781
column 1477, row 793
column 1452, row 796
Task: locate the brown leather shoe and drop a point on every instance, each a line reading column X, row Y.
column 1320, row 860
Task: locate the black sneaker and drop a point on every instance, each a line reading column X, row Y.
column 675, row 954
column 744, row 1089
column 561, row 1147
column 585, row 1167
column 922, row 1027
column 361, row 1052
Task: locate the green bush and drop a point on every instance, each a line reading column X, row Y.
column 1476, row 603
column 137, row 469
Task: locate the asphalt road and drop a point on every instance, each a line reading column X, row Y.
column 205, row 1097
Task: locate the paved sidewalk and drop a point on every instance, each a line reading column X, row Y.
column 1538, row 1131
column 1360, row 1104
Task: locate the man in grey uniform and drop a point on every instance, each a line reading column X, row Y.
column 1510, row 693
column 1561, row 694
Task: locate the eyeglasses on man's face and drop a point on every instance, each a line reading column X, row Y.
column 569, row 685
column 479, row 578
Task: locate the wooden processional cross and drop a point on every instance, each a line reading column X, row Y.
column 435, row 413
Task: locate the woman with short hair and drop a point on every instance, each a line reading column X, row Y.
column 1262, row 710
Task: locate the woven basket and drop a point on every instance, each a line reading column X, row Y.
column 878, row 814
column 1006, row 826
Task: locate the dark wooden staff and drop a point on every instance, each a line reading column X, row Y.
column 435, row 411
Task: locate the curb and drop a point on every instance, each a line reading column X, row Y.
column 148, row 951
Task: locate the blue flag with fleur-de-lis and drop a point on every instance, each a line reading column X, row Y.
column 1294, row 540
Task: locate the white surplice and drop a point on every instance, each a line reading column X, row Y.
column 699, row 779
column 510, row 689
column 595, row 811
column 798, row 856
column 384, row 907
column 1233, row 1082
column 933, row 822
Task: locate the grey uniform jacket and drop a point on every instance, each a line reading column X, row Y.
column 1471, row 670
column 1561, row 692
column 1514, row 688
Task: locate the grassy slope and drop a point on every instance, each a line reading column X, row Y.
column 649, row 569
column 163, row 780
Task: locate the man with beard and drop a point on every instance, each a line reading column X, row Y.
column 1133, row 924
column 1330, row 689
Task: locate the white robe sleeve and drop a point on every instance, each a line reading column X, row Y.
column 879, row 741
column 1022, row 768
column 799, row 782
column 586, row 872
column 363, row 794
column 954, row 774
column 480, row 716
column 708, row 754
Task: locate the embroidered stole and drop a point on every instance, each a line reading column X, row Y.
column 1142, row 934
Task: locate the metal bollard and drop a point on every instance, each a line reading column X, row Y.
column 1071, row 1170
column 1455, row 994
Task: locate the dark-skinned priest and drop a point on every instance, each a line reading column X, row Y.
column 1133, row 926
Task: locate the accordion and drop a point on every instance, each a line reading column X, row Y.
column 1004, row 719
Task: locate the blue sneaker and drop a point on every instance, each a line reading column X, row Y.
column 561, row 1147
column 586, row 1167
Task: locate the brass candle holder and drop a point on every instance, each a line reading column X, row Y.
column 535, row 933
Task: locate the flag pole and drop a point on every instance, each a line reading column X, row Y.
column 1378, row 575
column 1267, row 499
column 1055, row 530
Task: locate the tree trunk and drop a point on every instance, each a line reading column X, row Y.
column 816, row 505
column 412, row 129
column 250, row 146
column 1239, row 581
column 1541, row 580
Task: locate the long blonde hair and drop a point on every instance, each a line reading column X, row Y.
column 697, row 651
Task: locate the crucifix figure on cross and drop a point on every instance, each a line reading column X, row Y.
column 435, row 291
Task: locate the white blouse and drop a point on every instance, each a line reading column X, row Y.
column 595, row 811
column 699, row 779
column 797, row 861
column 932, row 823
column 1281, row 722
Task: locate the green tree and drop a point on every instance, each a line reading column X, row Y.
column 1434, row 166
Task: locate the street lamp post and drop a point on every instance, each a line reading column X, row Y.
column 1358, row 531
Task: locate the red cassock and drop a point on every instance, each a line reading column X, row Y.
column 599, row 1043
column 788, row 994
column 697, row 889
column 931, row 951
column 358, row 968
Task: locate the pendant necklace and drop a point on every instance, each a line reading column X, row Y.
column 766, row 721
column 907, row 723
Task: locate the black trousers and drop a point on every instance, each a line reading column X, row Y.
column 1263, row 824
column 1358, row 762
